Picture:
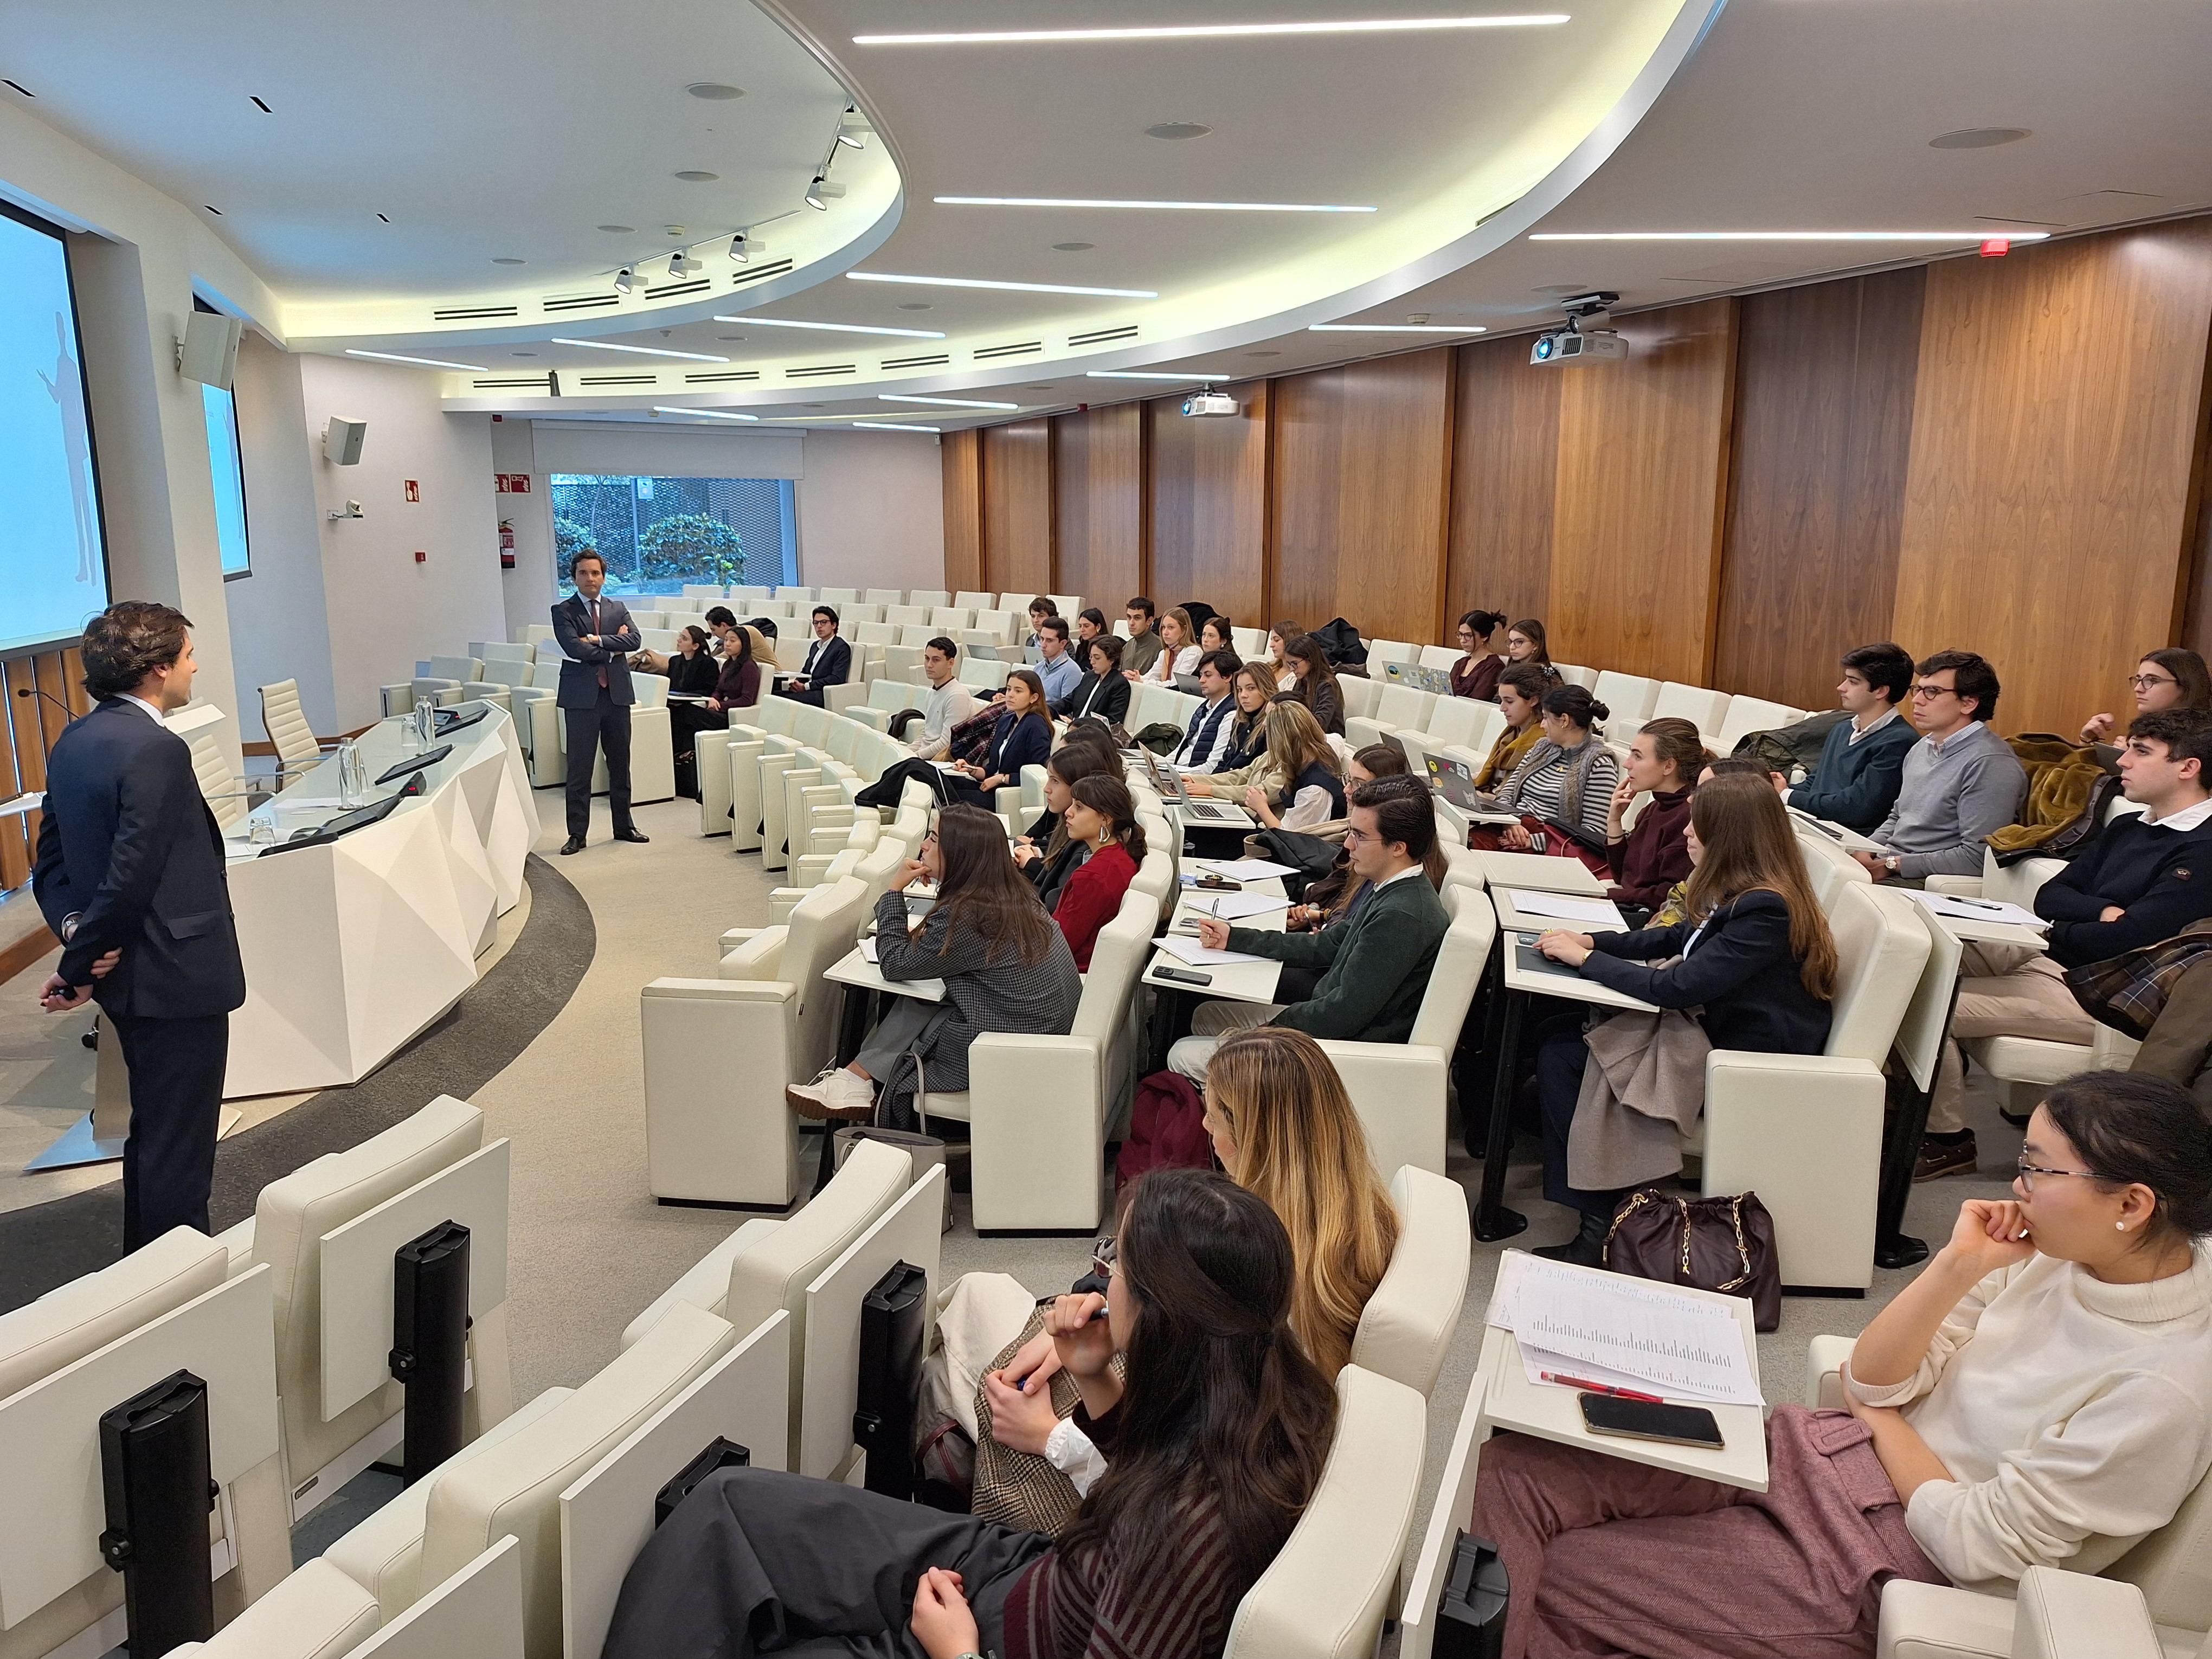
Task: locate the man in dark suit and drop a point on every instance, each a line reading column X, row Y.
column 595, row 695
column 130, row 878
column 829, row 661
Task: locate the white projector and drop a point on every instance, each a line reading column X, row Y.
column 1565, row 346
column 1209, row 403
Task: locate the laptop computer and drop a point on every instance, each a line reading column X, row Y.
column 1437, row 680
column 1199, row 809
column 1454, row 780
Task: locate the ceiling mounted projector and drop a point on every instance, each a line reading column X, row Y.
column 1588, row 337
column 1200, row 404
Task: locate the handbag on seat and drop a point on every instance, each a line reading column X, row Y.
column 1723, row 1244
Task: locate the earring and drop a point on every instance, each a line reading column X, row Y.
column 2122, row 1225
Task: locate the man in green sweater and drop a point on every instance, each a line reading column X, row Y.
column 1374, row 963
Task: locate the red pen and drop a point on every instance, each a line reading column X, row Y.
column 1601, row 1388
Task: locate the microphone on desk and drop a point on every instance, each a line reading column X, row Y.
column 37, row 691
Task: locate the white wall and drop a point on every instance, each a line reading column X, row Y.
column 386, row 612
column 279, row 618
column 527, row 590
column 872, row 511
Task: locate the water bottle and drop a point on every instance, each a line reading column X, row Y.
column 353, row 775
column 261, row 826
column 426, row 724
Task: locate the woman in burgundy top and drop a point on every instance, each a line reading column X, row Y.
column 1648, row 860
column 1215, row 1439
column 1103, row 816
column 1475, row 674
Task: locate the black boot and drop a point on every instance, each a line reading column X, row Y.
column 1586, row 1248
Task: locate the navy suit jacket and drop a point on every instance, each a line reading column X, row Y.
column 831, row 664
column 128, row 847
column 580, row 675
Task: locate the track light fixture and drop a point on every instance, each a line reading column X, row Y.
column 680, row 263
column 625, row 279
column 853, row 127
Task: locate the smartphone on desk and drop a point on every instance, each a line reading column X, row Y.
column 1217, row 885
column 1640, row 1419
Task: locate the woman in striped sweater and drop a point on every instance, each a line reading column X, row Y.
column 1216, row 1441
column 1568, row 779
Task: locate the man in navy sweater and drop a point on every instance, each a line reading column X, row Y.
column 1856, row 780
column 2141, row 880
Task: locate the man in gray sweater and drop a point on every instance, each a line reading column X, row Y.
column 1961, row 780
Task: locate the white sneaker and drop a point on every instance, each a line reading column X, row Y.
column 838, row 1095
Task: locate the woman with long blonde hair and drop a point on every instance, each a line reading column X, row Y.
column 1284, row 1129
column 1304, row 783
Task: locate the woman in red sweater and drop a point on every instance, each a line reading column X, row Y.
column 1648, row 860
column 1216, row 1435
column 1103, row 816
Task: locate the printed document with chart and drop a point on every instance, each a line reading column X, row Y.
column 1624, row 1333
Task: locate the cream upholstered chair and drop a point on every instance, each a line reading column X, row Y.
column 286, row 722
column 1380, row 652
column 1397, row 708
column 1399, row 1089
column 1408, row 1322
column 290, row 1218
column 1706, row 710
column 1361, row 695
column 2167, row 1569
column 1804, row 1131
column 509, row 1484
column 1038, row 1106
column 1630, row 698
column 1328, row 1591
column 1460, row 722
column 718, row 1054
column 73, row 1321
column 1445, row 657
column 766, row 1265
column 227, row 797
column 1748, row 715
column 1829, row 866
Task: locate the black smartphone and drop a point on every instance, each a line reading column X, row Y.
column 1640, row 1419
column 1182, row 977
column 1217, row 885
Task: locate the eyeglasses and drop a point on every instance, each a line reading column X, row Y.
column 1929, row 688
column 1353, row 837
column 2029, row 1171
column 1102, row 1258
column 2144, row 682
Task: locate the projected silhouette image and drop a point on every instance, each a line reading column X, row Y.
column 67, row 390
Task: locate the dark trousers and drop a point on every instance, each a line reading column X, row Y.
column 950, row 788
column 605, row 722
column 811, row 694
column 756, row 1561
column 176, row 1105
column 1561, row 1053
column 2180, row 1045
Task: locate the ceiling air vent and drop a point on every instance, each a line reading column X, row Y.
column 620, row 380
column 816, row 371
column 914, row 362
column 761, row 273
column 513, row 383
column 1022, row 349
column 721, row 377
column 469, row 314
column 580, row 302
column 696, row 285
column 1101, row 336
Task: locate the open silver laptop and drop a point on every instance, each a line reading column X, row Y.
column 1437, row 680
column 1218, row 814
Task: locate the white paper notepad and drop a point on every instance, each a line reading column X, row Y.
column 1193, row 954
column 1565, row 906
column 1990, row 910
column 1675, row 1345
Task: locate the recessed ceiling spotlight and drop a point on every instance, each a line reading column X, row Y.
column 914, row 305
column 1010, row 288
column 711, row 414
column 694, row 176
column 643, row 351
column 1394, row 328
column 1170, row 207
column 835, row 328
column 425, row 363
column 891, row 426
column 1149, row 375
column 1073, row 247
column 1978, row 138
column 625, row 279
column 621, row 230
column 509, row 261
column 1777, row 236
column 948, row 403
column 1177, row 130
column 1215, row 31
column 717, row 92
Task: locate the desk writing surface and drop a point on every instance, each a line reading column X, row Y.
column 1565, row 982
column 1234, row 981
column 855, row 970
column 1546, row 875
column 1850, row 840
column 1511, row 917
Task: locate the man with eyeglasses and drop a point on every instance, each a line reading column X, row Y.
column 1961, row 781
column 2141, row 880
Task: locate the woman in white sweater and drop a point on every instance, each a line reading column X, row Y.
column 2040, row 1395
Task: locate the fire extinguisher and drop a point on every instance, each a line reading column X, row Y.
column 506, row 543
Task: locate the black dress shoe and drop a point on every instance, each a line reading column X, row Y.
column 1585, row 1249
column 573, row 844
column 632, row 834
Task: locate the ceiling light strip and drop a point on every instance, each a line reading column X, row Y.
column 1218, row 31
column 642, row 351
column 711, row 414
column 1008, row 287
column 948, row 403
column 1164, row 207
column 891, row 426
column 1150, row 374
column 1780, row 235
column 1395, row 328
column 424, row 362
column 835, row 328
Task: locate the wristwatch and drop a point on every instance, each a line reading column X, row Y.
column 1893, row 863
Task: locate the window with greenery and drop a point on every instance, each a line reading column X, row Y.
column 658, row 534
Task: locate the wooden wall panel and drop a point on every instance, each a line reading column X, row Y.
column 1816, row 486
column 961, row 454
column 1098, row 505
column 27, row 732
column 1637, row 513
column 1208, row 508
column 2048, row 500
column 1362, row 479
column 1506, row 453
column 1017, row 508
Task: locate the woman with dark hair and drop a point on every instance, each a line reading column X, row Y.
column 1101, row 819
column 1217, row 1432
column 1334, row 897
column 1216, row 634
column 1568, row 780
column 1047, row 854
column 1521, row 689
column 1022, row 736
column 1102, row 695
column 1475, row 674
column 1525, row 642
column 1647, row 861
column 1316, row 688
column 1279, row 662
column 2173, row 677
column 2039, row 1396
column 1756, row 962
column 692, row 672
column 1006, row 968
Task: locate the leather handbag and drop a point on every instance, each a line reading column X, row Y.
column 1724, row 1244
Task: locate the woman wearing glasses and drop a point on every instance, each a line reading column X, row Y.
column 2174, row 677
column 2040, row 1395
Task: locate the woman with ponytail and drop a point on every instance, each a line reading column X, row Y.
column 1646, row 861
column 1217, row 1431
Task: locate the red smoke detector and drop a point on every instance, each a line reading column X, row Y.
column 1996, row 247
